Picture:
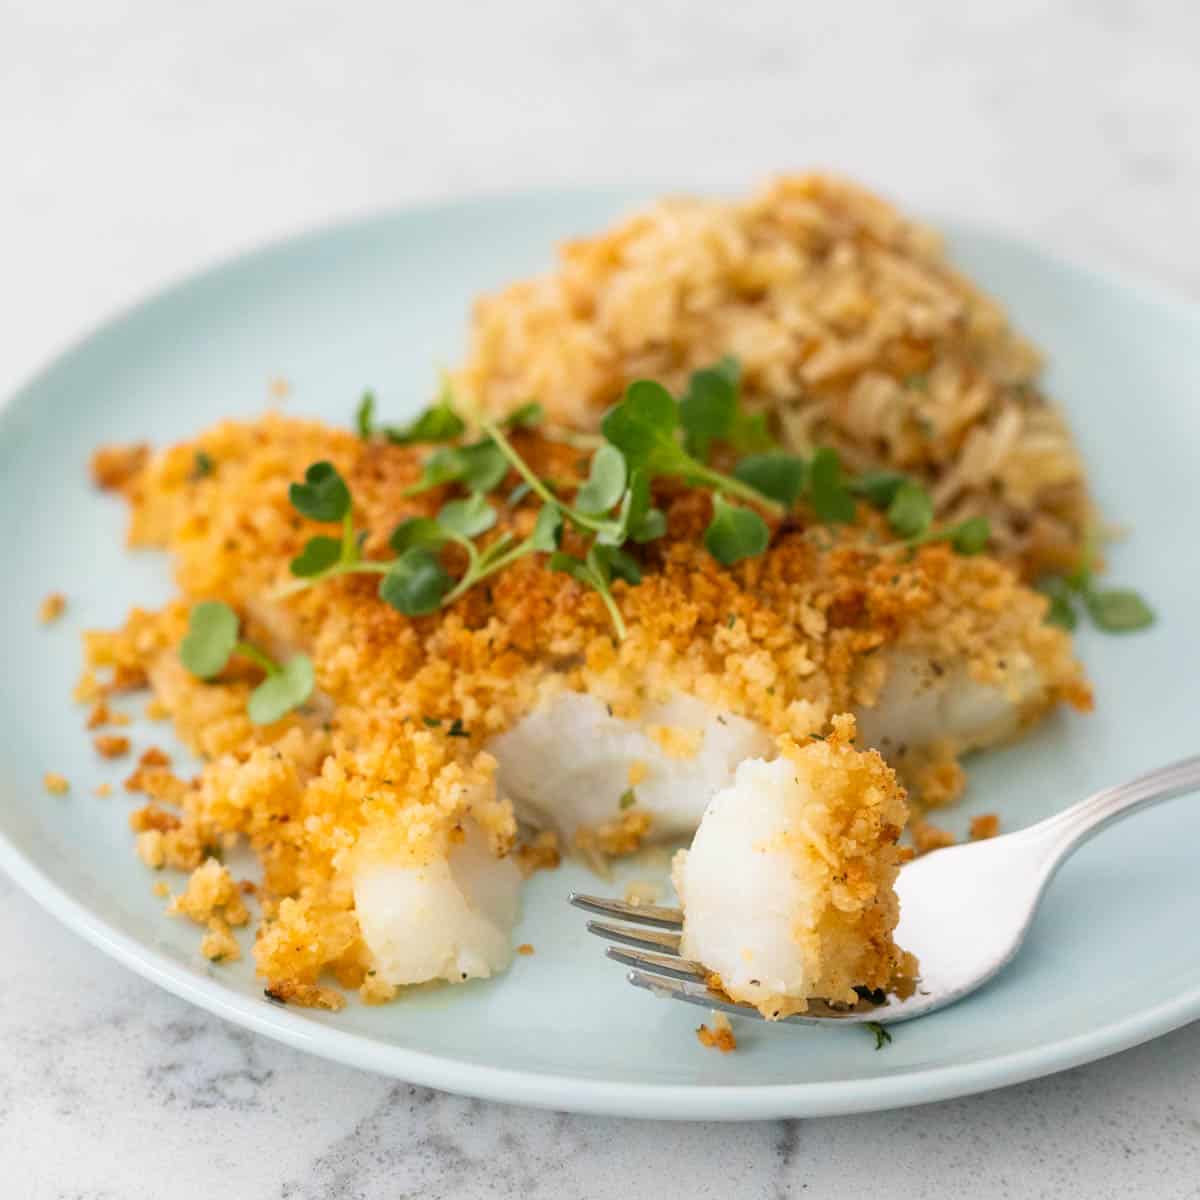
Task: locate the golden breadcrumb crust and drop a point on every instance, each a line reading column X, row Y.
column 369, row 765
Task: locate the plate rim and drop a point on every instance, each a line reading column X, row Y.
column 541, row 1089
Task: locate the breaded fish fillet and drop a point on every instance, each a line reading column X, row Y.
column 395, row 793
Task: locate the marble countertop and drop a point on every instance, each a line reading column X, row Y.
column 141, row 140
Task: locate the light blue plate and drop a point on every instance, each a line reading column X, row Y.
column 1114, row 957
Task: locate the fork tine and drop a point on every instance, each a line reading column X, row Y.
column 638, row 914
column 660, row 964
column 647, row 939
column 691, row 992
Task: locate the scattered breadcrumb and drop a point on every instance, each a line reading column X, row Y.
column 111, row 745
column 154, row 757
column 720, row 1037
column 156, row 710
column 219, row 944
column 927, row 837
column 308, row 995
column 115, row 467
column 525, row 948
column 161, row 889
column 638, row 771
column 279, row 388
column 541, row 853
column 52, row 607
column 986, row 825
column 211, row 891
column 101, row 714
column 56, row 784
column 102, row 790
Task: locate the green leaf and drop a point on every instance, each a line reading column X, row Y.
column 777, row 475
column 708, row 409
column 971, row 536
column 882, row 1037
column 610, row 561
column 202, row 465
column 734, row 533
column 547, row 530
column 281, row 691
column 323, row 496
column 467, row 518
column 910, row 513
column 438, row 423
column 484, row 466
column 568, row 564
column 1061, row 611
column 639, row 520
column 830, row 499
column 524, row 417
column 364, row 416
column 751, row 433
column 878, row 488
column 1118, row 610
column 210, row 639
column 416, row 582
column 319, row 554
column 416, row 531
column 479, row 467
column 642, row 426
column 605, row 482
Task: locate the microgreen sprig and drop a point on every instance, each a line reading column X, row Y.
column 1113, row 610
column 212, row 640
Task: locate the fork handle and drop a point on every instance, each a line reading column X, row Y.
column 1068, row 830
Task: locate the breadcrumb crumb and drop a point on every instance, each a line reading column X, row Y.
column 52, row 607
column 720, row 1037
column 161, row 889
column 101, row 714
column 525, row 948
column 111, row 745
column 55, row 783
column 927, row 837
column 986, row 825
column 102, row 790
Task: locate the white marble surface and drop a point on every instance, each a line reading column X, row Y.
column 140, row 140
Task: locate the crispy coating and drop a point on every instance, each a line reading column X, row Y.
column 368, row 766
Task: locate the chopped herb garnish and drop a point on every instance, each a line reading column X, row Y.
column 910, row 512
column 627, row 800
column 364, row 416
column 734, row 533
column 432, row 722
column 456, row 729
column 878, row 488
column 830, row 498
column 1114, row 610
column 775, row 474
column 212, row 640
column 525, row 417
column 1118, row 610
column 882, row 1037
column 202, row 465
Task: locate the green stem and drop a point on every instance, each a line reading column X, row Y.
column 357, row 567
column 477, row 574
column 613, row 611
column 255, row 655
column 735, row 487
column 595, row 524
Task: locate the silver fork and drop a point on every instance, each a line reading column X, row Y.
column 964, row 910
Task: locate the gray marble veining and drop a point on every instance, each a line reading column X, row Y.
column 142, row 140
